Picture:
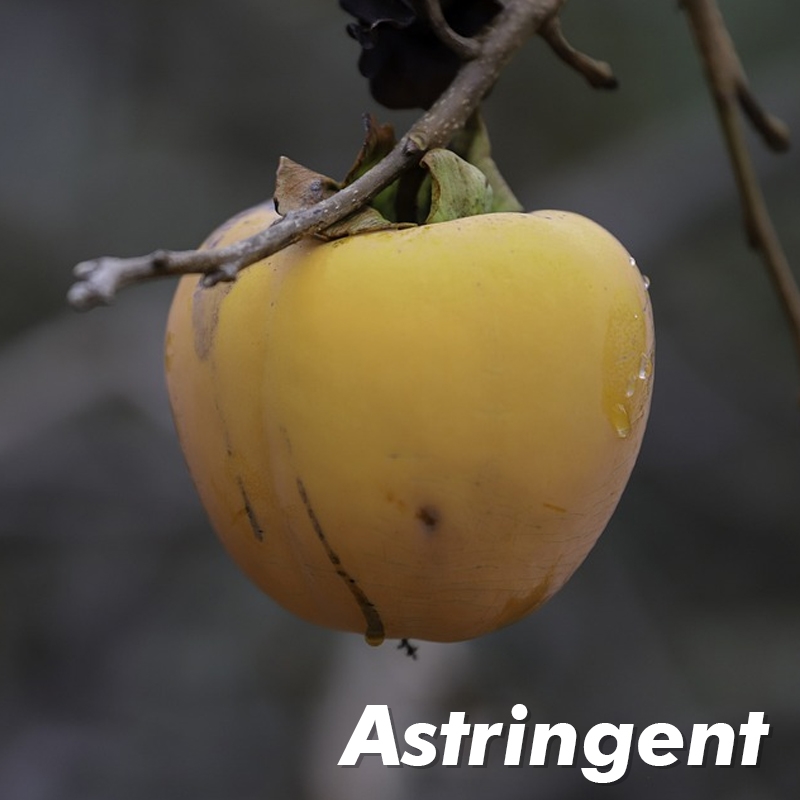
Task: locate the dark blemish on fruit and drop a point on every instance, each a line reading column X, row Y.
column 395, row 501
column 375, row 632
column 430, row 517
column 554, row 507
column 258, row 531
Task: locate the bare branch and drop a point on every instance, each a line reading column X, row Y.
column 729, row 79
column 598, row 73
column 100, row 279
column 774, row 131
column 464, row 47
column 728, row 84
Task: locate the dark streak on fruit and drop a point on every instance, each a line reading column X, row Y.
column 430, row 517
column 258, row 531
column 205, row 316
column 375, row 631
column 225, row 435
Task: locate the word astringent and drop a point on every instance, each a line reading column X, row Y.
column 655, row 744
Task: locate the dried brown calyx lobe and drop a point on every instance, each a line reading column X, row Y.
column 405, row 62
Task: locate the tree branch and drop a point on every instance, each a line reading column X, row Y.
column 100, row 279
column 729, row 88
column 598, row 73
column 464, row 47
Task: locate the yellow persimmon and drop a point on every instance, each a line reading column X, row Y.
column 420, row 432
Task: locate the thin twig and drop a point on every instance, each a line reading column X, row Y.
column 598, row 73
column 100, row 279
column 774, row 131
column 464, row 47
column 728, row 84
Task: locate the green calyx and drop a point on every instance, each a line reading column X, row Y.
column 473, row 145
column 453, row 188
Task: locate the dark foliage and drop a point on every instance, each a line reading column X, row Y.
column 406, row 64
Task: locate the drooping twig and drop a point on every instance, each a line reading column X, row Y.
column 598, row 73
column 100, row 279
column 728, row 83
column 464, row 47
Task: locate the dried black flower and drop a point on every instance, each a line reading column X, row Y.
column 406, row 64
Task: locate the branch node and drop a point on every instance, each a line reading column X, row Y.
column 160, row 260
column 414, row 144
column 97, row 283
column 84, row 269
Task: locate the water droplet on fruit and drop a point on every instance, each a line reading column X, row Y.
column 646, row 282
column 633, row 261
column 620, row 420
column 645, row 367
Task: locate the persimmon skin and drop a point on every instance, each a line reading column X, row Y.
column 415, row 433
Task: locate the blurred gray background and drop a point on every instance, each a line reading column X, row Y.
column 135, row 662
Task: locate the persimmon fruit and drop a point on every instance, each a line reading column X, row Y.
column 415, row 433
